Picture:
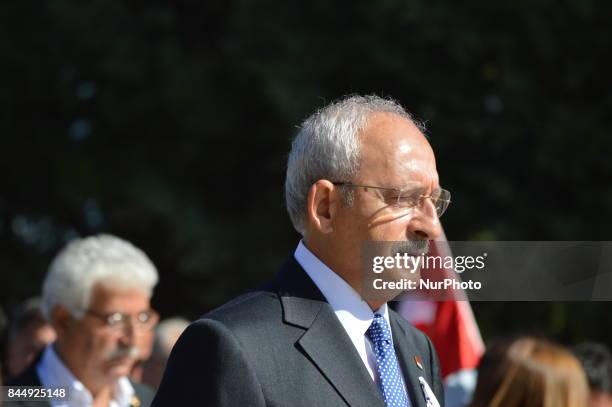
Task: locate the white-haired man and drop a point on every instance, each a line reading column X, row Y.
column 96, row 295
column 359, row 170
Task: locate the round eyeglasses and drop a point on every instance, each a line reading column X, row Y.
column 117, row 321
column 404, row 198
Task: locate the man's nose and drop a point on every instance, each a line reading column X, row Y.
column 425, row 223
column 130, row 332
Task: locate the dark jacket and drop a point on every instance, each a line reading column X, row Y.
column 284, row 346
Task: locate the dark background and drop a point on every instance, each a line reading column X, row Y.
column 168, row 123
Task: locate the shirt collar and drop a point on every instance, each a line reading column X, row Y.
column 54, row 373
column 354, row 314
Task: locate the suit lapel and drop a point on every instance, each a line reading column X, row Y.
column 330, row 349
column 325, row 341
column 405, row 350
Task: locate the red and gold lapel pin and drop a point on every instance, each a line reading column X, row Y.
column 134, row 401
column 417, row 360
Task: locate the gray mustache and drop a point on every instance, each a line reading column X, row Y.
column 411, row 247
column 121, row 352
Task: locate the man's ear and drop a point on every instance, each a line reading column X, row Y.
column 321, row 205
column 61, row 319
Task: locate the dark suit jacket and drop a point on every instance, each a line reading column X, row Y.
column 284, row 346
column 144, row 394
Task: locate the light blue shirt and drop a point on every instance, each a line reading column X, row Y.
column 53, row 373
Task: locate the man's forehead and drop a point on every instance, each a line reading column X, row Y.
column 395, row 150
column 106, row 296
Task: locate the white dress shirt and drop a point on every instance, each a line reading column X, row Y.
column 354, row 314
column 53, row 373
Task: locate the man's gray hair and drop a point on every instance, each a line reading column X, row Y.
column 327, row 146
column 104, row 259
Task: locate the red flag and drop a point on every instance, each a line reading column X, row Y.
column 450, row 324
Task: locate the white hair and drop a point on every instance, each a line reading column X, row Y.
column 327, row 146
column 103, row 259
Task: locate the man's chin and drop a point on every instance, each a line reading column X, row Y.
column 120, row 367
column 402, row 274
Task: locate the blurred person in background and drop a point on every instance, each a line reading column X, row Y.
column 166, row 335
column 28, row 333
column 3, row 324
column 596, row 360
column 96, row 295
column 529, row 372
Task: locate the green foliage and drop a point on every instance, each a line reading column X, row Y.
column 168, row 123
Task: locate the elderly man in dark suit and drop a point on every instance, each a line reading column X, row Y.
column 96, row 295
column 359, row 170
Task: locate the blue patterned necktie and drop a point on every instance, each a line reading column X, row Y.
column 391, row 382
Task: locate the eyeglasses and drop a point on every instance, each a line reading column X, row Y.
column 403, row 199
column 117, row 321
